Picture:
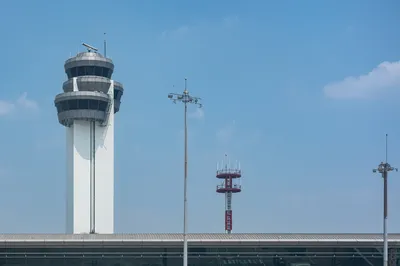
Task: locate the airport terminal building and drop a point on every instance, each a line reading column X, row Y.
column 204, row 249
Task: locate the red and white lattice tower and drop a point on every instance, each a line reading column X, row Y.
column 230, row 176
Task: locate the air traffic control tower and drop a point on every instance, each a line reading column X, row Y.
column 86, row 108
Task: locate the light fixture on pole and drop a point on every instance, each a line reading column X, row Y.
column 186, row 99
column 384, row 168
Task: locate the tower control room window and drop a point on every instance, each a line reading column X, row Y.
column 81, row 71
column 81, row 104
column 106, row 73
column 117, row 94
column 93, row 105
column 64, row 106
column 98, row 71
column 102, row 106
column 72, row 72
column 59, row 108
column 89, row 70
column 73, row 104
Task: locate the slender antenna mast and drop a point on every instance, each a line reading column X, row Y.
column 105, row 45
column 386, row 148
column 185, row 91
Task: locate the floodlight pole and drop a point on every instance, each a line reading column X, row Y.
column 186, row 99
column 384, row 169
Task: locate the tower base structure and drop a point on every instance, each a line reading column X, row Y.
column 90, row 151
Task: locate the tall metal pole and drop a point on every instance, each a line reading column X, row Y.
column 186, row 99
column 383, row 169
column 92, row 177
column 385, row 216
column 185, row 248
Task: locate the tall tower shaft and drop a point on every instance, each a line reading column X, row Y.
column 86, row 108
column 230, row 176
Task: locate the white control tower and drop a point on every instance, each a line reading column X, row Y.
column 86, row 108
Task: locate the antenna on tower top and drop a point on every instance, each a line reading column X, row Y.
column 386, row 148
column 90, row 48
column 105, row 45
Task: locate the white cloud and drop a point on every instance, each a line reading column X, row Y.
column 383, row 78
column 198, row 114
column 8, row 107
column 24, row 102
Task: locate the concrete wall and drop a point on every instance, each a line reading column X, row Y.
column 78, row 176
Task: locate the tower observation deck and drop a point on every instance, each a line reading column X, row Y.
column 231, row 184
column 86, row 108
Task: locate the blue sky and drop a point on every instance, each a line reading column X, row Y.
column 301, row 92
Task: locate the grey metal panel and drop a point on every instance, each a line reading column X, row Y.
column 84, row 95
column 89, row 59
column 68, row 85
column 66, row 118
column 117, row 104
column 118, row 85
column 88, row 83
column 202, row 237
column 93, row 83
column 199, row 240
